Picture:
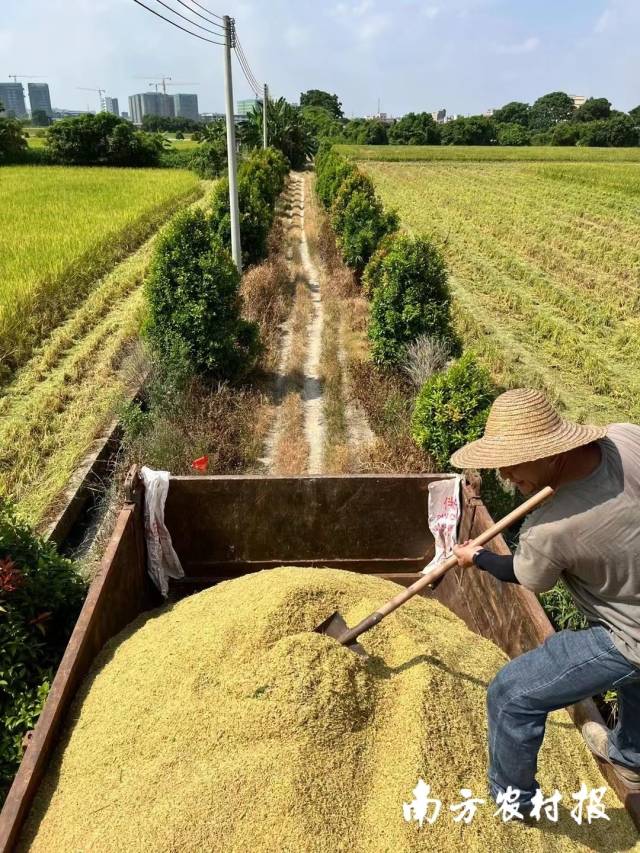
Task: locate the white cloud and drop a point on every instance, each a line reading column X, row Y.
column 431, row 12
column 519, row 48
column 604, row 21
column 362, row 19
column 296, row 36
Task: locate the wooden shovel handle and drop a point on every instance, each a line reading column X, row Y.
column 442, row 568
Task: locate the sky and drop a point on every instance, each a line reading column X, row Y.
column 462, row 55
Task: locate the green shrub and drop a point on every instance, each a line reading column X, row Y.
column 265, row 172
column 331, row 170
column 40, row 597
column 513, row 134
column 261, row 179
column 102, row 140
column 255, row 220
column 194, row 302
column 355, row 181
column 452, row 409
column 364, row 224
column 407, row 282
column 209, row 160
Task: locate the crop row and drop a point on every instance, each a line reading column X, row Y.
column 532, row 276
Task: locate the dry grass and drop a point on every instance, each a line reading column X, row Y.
column 267, row 292
column 387, row 400
column 291, row 454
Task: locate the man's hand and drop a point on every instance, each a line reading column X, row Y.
column 465, row 553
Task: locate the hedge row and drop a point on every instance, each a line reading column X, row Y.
column 405, row 278
column 194, row 315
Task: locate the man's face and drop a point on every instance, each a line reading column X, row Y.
column 529, row 477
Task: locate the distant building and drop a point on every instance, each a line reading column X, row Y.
column 385, row 118
column 58, row 113
column 205, row 118
column 12, row 98
column 247, row 106
column 111, row 106
column 150, row 103
column 439, row 116
column 488, row 113
column 124, row 114
column 186, row 106
column 578, row 100
column 39, row 98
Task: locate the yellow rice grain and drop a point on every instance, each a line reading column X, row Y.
column 223, row 723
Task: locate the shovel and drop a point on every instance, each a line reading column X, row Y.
column 335, row 625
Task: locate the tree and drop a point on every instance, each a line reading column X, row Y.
column 515, row 112
column 365, row 131
column 287, row 131
column 565, row 134
column 102, row 140
column 475, row 130
column 318, row 98
column 623, row 131
column 415, row 129
column 321, row 123
column 635, row 113
column 550, row 109
column 39, row 118
column 12, row 140
column 513, row 134
column 593, row 109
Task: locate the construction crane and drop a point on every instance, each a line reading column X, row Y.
column 101, row 94
column 163, row 81
column 15, row 77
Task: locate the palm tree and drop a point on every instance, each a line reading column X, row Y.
column 286, row 129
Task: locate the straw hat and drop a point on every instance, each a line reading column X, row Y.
column 523, row 426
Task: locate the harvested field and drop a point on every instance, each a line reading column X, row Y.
column 545, row 264
column 61, row 229
column 490, row 153
column 223, row 723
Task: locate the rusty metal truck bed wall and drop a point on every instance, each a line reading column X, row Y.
column 224, row 526
column 120, row 592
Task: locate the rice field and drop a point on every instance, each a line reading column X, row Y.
column 61, row 229
column 545, row 270
column 493, row 153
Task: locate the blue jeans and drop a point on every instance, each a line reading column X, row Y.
column 567, row 667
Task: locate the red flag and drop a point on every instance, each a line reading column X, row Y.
column 201, row 463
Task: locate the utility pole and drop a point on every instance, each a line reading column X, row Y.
column 229, row 42
column 265, row 101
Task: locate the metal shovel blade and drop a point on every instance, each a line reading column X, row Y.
column 334, row 626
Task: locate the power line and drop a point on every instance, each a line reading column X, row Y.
column 246, row 68
column 193, row 11
column 204, row 9
column 184, row 17
column 242, row 57
column 173, row 23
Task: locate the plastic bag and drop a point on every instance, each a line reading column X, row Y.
column 444, row 514
column 162, row 561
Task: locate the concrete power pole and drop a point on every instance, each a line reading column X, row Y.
column 265, row 101
column 236, row 249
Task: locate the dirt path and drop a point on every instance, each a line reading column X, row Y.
column 301, row 436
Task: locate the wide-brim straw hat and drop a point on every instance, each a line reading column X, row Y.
column 523, row 426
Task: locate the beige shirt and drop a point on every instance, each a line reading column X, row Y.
column 588, row 533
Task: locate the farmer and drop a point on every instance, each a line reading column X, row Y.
column 588, row 534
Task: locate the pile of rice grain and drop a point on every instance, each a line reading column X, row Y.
column 223, row 723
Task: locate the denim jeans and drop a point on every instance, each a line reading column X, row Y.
column 567, row 667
